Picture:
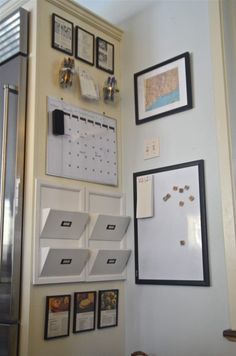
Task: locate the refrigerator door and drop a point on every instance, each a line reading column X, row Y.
column 8, row 339
column 10, row 185
column 13, row 77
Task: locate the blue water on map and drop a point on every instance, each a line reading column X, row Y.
column 165, row 100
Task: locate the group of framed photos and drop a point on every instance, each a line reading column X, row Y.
column 58, row 311
column 63, row 40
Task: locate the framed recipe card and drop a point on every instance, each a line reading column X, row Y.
column 84, row 311
column 105, row 55
column 108, row 308
column 57, row 317
column 84, row 45
column 62, row 34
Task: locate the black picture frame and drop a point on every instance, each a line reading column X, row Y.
column 105, row 55
column 84, row 317
column 57, row 316
column 163, row 89
column 108, row 302
column 84, row 45
column 171, row 247
column 62, row 34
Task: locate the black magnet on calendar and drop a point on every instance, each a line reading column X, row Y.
column 58, row 122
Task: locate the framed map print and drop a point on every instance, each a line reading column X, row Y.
column 163, row 89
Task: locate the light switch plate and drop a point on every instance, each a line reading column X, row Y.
column 151, row 148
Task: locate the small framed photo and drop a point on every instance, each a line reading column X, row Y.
column 108, row 308
column 104, row 55
column 84, row 311
column 163, row 89
column 57, row 316
column 62, row 34
column 84, row 45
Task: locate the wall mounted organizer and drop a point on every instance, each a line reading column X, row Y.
column 72, row 245
column 61, row 224
column 62, row 261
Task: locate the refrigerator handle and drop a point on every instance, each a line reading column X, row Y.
column 7, row 90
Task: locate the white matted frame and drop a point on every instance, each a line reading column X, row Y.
column 61, row 197
column 171, row 247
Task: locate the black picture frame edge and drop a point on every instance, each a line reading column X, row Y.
column 189, row 104
column 74, row 312
column 76, row 45
column 113, row 56
column 53, row 35
column 205, row 255
column 99, row 308
column 47, row 313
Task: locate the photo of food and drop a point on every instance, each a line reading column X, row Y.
column 84, row 311
column 109, row 300
column 85, row 302
column 58, row 304
column 108, row 308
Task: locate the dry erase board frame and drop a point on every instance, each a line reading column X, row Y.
column 171, row 247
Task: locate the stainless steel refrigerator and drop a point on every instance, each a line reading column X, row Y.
column 13, row 80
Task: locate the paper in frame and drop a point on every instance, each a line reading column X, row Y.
column 84, row 45
column 171, row 247
column 84, row 311
column 108, row 308
column 62, row 34
column 57, row 316
column 163, row 89
column 104, row 55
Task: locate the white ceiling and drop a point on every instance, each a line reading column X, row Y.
column 115, row 11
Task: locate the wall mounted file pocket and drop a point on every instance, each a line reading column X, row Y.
column 58, row 262
column 72, row 245
column 108, row 262
column 109, row 227
column 62, row 224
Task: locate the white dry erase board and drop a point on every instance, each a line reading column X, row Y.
column 88, row 148
column 171, row 246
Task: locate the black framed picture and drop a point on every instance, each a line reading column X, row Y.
column 171, row 232
column 84, row 311
column 57, row 316
column 84, row 45
column 62, row 34
column 163, row 89
column 104, row 55
column 108, row 308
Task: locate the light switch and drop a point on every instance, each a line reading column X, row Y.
column 151, row 148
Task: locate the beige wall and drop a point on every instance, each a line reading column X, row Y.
column 44, row 64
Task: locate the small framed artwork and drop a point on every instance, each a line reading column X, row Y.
column 163, row 89
column 171, row 248
column 84, row 311
column 57, row 316
column 108, row 308
column 84, row 45
column 62, row 34
column 104, row 55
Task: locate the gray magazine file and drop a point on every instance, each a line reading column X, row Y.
column 61, row 224
column 109, row 262
column 109, row 227
column 62, row 261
